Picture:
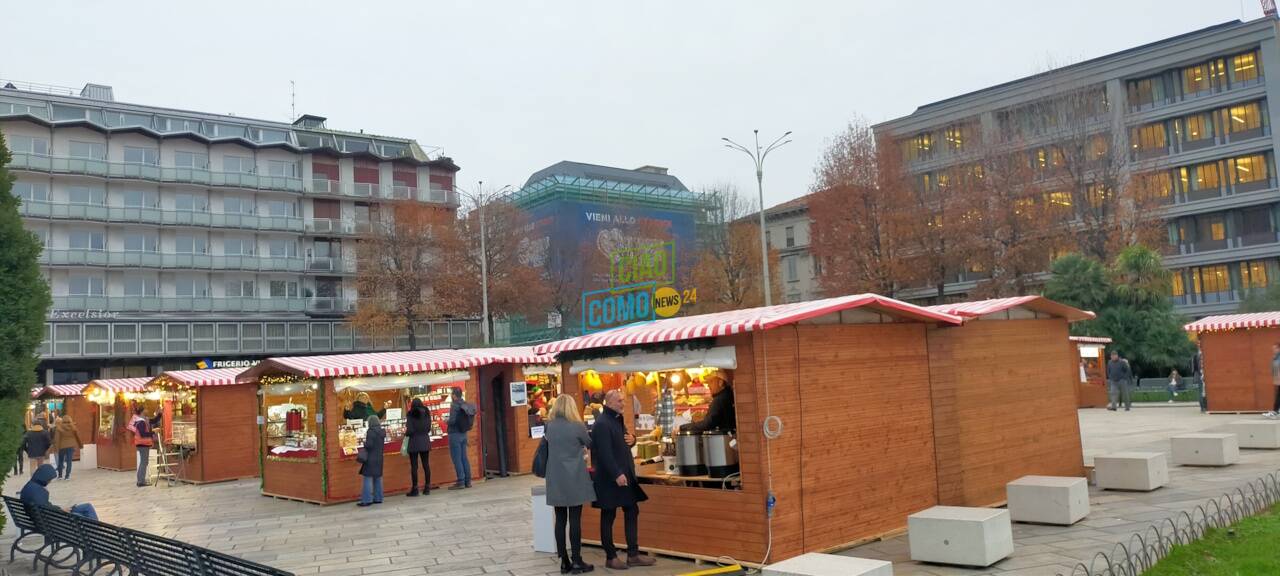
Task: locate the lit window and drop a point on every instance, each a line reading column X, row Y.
column 1254, row 274
column 1250, row 169
column 1149, row 137
column 1244, row 67
column 1199, row 127
column 1177, row 286
column 1208, row 176
column 1195, row 79
column 1217, row 229
column 1244, row 117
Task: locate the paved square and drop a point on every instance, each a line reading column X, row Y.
column 485, row 530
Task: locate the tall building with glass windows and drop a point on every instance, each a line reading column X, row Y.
column 172, row 237
column 1195, row 114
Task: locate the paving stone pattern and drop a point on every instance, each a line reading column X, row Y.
column 486, row 530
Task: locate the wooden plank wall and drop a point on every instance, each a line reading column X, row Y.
column 227, row 432
column 299, row 480
column 866, row 431
column 1002, row 408
column 117, row 452
column 1237, row 369
column 85, row 415
column 520, row 447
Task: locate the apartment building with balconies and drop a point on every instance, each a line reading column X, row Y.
column 171, row 235
column 1195, row 113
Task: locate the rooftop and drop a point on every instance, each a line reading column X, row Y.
column 644, row 176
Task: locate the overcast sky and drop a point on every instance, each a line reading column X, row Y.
column 507, row 88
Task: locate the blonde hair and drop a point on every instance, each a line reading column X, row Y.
column 564, row 407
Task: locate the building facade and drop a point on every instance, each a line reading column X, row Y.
column 1194, row 113
column 787, row 231
column 581, row 214
column 173, row 237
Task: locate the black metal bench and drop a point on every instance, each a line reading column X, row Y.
column 86, row 547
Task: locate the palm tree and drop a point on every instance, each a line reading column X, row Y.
column 1139, row 276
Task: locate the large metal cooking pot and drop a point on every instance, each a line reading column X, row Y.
column 719, row 454
column 689, row 454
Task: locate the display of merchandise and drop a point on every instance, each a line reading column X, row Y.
column 438, row 399
column 286, row 429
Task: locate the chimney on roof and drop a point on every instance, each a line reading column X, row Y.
column 652, row 169
column 98, row 92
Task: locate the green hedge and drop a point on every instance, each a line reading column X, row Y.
column 12, row 411
column 1163, row 396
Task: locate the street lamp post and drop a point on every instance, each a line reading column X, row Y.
column 757, row 156
column 481, row 199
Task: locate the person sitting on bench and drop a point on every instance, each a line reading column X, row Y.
column 36, row 492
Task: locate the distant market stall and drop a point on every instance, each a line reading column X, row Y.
column 1004, row 397
column 1092, row 353
column 1236, row 355
column 69, row 400
column 519, row 385
column 211, row 420
column 309, row 444
column 833, row 418
column 115, row 399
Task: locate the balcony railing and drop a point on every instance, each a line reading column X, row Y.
column 331, row 226
column 156, row 215
column 330, row 305
column 252, row 263
column 330, row 264
column 179, row 304
column 152, row 173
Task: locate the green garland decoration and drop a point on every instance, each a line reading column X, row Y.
column 322, row 444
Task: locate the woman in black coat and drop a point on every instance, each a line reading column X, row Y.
column 418, row 430
column 371, row 457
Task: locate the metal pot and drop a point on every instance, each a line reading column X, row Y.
column 689, row 454
column 719, row 454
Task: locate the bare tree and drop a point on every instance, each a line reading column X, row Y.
column 729, row 269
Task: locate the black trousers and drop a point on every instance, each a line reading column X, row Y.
column 571, row 515
column 631, row 524
column 426, row 470
column 1276, row 408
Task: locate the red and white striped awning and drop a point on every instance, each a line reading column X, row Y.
column 739, row 321
column 60, row 390
column 510, row 355
column 198, row 378
column 1089, row 339
column 122, row 384
column 1235, row 322
column 980, row 308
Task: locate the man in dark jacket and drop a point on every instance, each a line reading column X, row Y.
column 721, row 414
column 462, row 415
column 36, row 443
column 36, row 492
column 615, row 483
column 1119, row 376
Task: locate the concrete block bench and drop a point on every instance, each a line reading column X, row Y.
column 1048, row 499
column 1257, row 433
column 1205, row 449
column 815, row 564
column 1141, row 471
column 960, row 536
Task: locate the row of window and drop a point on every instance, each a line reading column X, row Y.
column 1214, row 75
column 208, row 128
column 19, row 144
column 1242, row 174
column 91, row 285
column 80, row 195
column 1200, row 129
column 1222, row 282
column 1073, row 109
column 1218, row 230
column 956, row 138
column 94, row 240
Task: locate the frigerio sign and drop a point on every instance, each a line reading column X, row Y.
column 603, row 309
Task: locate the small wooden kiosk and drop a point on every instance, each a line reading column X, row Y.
column 69, row 400
column 842, row 386
column 212, row 421
column 309, row 448
column 1091, row 388
column 1004, row 397
column 519, row 385
column 1237, row 354
column 114, row 399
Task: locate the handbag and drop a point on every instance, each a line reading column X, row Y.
column 362, row 456
column 540, row 459
column 404, row 446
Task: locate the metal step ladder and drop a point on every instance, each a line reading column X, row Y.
column 168, row 463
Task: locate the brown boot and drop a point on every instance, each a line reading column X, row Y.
column 616, row 563
column 641, row 560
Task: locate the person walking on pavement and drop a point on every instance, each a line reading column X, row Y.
column 144, row 437
column 1275, row 380
column 1118, row 376
column 36, row 443
column 371, row 457
column 462, row 415
column 615, row 483
column 1174, row 380
column 568, row 484
column 66, row 440
column 418, row 431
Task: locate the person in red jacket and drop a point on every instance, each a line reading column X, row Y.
column 144, row 437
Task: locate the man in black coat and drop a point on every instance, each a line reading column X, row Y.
column 615, row 483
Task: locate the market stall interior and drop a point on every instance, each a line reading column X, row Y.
column 210, row 424
column 115, row 399
column 769, row 432
column 1091, row 351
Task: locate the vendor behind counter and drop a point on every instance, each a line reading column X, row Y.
column 721, row 414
